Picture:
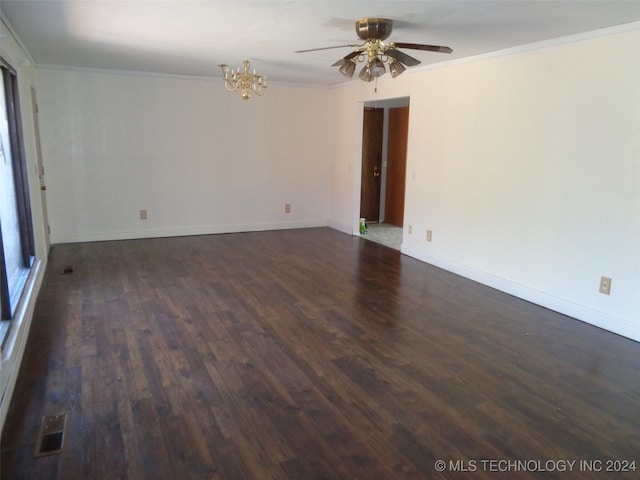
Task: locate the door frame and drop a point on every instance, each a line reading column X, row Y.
column 386, row 104
column 41, row 173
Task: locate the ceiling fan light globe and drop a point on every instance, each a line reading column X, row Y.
column 377, row 68
column 396, row 68
column 348, row 69
column 365, row 73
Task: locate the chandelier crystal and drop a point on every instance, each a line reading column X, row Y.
column 243, row 80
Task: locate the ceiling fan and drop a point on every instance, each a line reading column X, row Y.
column 375, row 51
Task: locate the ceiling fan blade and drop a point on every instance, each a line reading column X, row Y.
column 402, row 57
column 418, row 46
column 346, row 58
column 325, row 48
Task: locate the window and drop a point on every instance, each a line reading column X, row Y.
column 17, row 248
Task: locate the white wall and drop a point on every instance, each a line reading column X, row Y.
column 13, row 348
column 526, row 167
column 199, row 159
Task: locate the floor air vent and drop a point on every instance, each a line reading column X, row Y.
column 66, row 269
column 52, row 435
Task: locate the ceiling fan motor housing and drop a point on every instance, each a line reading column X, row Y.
column 374, row 28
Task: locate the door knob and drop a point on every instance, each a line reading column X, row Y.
column 43, row 187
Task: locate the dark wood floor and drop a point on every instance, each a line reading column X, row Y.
column 308, row 354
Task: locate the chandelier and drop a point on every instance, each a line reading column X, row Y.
column 245, row 81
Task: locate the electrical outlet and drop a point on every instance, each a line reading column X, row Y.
column 429, row 234
column 143, row 214
column 410, row 229
column 287, row 208
column 605, row 285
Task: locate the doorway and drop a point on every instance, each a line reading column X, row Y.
column 383, row 174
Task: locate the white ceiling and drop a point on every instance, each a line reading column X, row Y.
column 191, row 37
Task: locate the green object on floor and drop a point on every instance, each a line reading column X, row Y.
column 363, row 226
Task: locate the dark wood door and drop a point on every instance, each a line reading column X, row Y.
column 396, row 165
column 371, row 163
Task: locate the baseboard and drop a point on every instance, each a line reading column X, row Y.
column 183, row 231
column 611, row 323
column 348, row 229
